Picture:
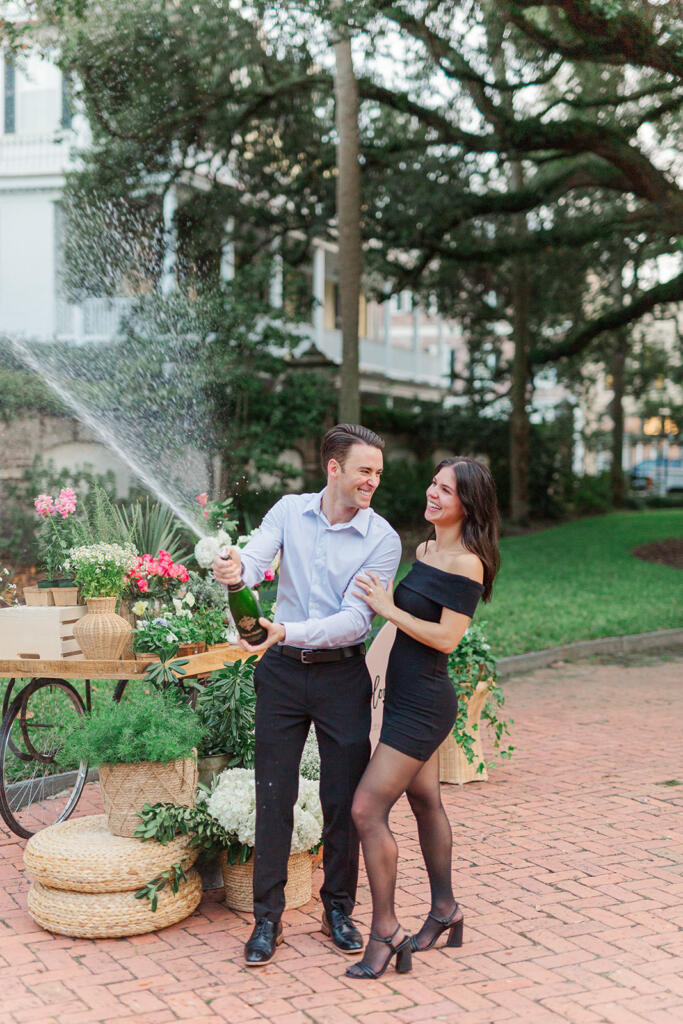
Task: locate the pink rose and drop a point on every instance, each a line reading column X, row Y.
column 269, row 575
column 202, row 499
column 143, row 586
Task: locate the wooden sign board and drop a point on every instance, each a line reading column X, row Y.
column 376, row 659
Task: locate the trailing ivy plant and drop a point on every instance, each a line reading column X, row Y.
column 471, row 662
column 164, row 822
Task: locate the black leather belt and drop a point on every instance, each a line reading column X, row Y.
column 308, row 656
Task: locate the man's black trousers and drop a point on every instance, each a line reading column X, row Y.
column 335, row 696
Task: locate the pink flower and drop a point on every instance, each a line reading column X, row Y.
column 43, row 506
column 202, row 499
column 66, row 502
column 143, row 586
column 269, row 575
column 206, row 513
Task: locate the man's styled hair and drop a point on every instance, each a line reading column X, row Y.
column 338, row 441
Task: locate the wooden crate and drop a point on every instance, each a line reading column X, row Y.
column 39, row 633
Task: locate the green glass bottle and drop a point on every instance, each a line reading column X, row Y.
column 246, row 612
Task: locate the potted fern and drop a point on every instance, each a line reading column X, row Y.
column 145, row 747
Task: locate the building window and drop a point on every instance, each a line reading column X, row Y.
column 10, row 80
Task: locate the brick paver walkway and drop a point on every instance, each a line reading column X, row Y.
column 568, row 866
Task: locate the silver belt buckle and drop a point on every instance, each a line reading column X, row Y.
column 304, row 652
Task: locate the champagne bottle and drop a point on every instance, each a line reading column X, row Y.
column 245, row 610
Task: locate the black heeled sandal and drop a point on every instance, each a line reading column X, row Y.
column 402, row 952
column 454, row 925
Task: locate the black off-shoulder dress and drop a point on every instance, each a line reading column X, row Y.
column 420, row 704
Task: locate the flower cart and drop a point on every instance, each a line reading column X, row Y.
column 39, row 703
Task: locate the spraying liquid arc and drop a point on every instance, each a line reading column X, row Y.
column 104, row 433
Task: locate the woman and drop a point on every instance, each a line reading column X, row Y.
column 431, row 607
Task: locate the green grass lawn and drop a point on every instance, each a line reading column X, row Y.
column 579, row 580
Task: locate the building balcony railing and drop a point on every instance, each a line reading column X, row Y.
column 29, row 155
column 91, row 320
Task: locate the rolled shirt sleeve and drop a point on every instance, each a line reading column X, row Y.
column 351, row 623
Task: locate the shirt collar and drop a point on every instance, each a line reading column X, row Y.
column 360, row 522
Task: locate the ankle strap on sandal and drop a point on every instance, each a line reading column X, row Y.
column 443, row 920
column 389, row 940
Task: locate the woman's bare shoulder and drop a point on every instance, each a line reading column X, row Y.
column 421, row 549
column 466, row 563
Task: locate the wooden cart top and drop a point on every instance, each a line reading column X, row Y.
column 82, row 668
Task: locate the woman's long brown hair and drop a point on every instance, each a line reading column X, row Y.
column 481, row 525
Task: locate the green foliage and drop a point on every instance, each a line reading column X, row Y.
column 207, row 593
column 142, row 727
column 593, row 494
column 163, row 822
column 167, row 674
column 23, row 393
column 226, row 708
column 153, row 527
column 163, row 633
column 470, row 663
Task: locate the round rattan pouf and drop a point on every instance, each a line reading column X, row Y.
column 109, row 915
column 82, row 855
column 238, row 882
column 85, row 879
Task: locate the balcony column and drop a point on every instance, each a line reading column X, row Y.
column 318, row 295
column 440, row 353
column 386, row 310
column 416, row 340
column 276, row 281
column 228, row 252
column 78, row 324
column 168, row 272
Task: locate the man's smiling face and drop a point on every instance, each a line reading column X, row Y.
column 359, row 477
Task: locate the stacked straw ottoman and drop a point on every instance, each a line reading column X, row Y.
column 85, row 879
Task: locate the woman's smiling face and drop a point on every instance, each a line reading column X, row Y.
column 443, row 504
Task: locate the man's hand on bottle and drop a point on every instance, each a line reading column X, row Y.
column 228, row 570
column 276, row 633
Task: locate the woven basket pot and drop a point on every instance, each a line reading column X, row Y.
column 81, row 855
column 111, row 915
column 453, row 764
column 101, row 633
column 126, row 788
column 238, row 882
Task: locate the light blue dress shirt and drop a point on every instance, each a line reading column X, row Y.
column 319, row 563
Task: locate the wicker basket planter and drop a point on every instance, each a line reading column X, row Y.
column 110, row 915
column 238, row 882
column 81, row 855
column 453, row 764
column 126, row 788
column 101, row 633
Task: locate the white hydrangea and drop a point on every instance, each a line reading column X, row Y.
column 233, row 805
column 206, row 549
column 310, row 759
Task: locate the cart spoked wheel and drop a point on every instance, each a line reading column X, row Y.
column 34, row 790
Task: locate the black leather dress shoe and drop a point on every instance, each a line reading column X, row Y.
column 260, row 946
column 342, row 931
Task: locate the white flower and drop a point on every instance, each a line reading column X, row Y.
column 207, row 548
column 171, row 638
column 139, row 609
column 310, row 759
column 177, row 604
column 190, row 600
column 233, row 805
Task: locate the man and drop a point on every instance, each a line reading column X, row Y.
column 314, row 671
